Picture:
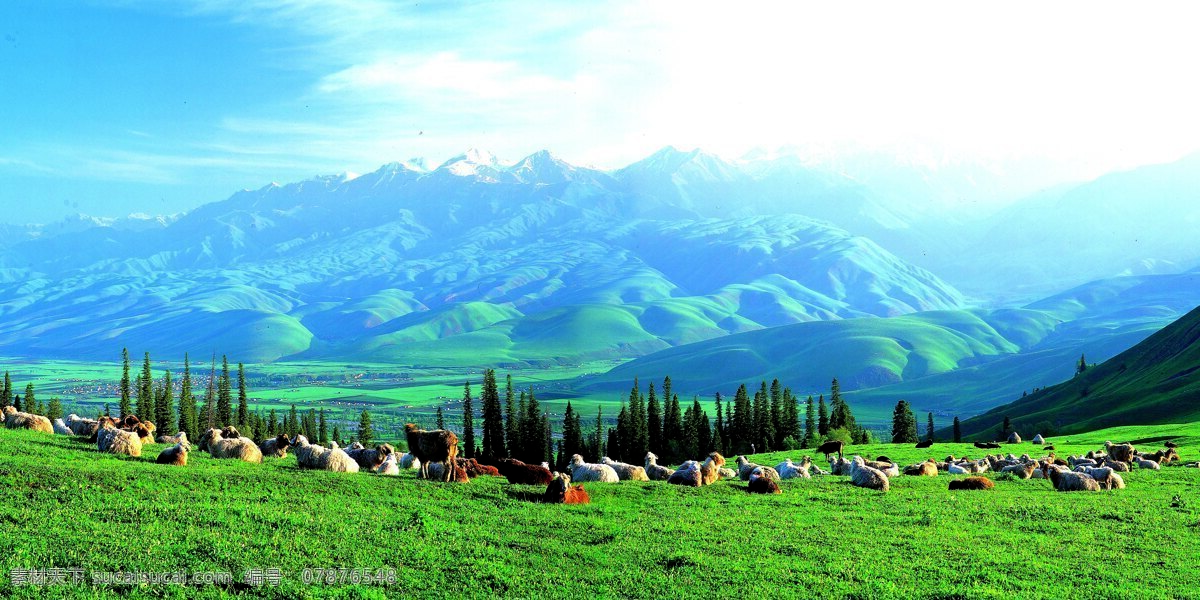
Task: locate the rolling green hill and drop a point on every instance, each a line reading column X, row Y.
column 1156, row 381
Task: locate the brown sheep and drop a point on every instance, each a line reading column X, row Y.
column 459, row 475
column 474, row 468
column 438, row 445
column 760, row 483
column 710, row 469
column 174, row 455
column 926, row 469
column 560, row 491
column 520, row 473
column 1120, row 452
column 972, row 483
column 23, row 420
column 370, row 459
column 276, row 447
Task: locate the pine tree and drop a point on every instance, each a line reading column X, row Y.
column 638, row 442
column 188, row 416
column 30, row 404
column 690, row 444
column 653, row 422
column 54, row 410
column 512, row 428
column 322, row 426
column 778, row 429
column 210, row 399
column 145, row 391
column 532, row 431
column 957, row 431
column 205, row 417
column 572, row 442
column 468, row 436
column 291, row 423
column 365, row 434
column 704, row 443
column 624, row 435
column 762, row 419
column 273, row 424
column 673, row 423
column 719, row 427
column 740, row 434
column 810, row 424
column 336, row 436
column 17, row 404
column 822, row 418
column 165, row 405
column 929, row 428
column 125, row 407
column 1081, row 366
column 441, row 419
column 548, row 443
column 243, row 409
column 224, row 395
column 1005, row 428
column 840, row 416
column 598, row 436
column 518, row 449
column 7, row 391
column 904, row 424
column 493, row 417
column 791, row 418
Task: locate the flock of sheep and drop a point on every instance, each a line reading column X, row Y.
column 434, row 454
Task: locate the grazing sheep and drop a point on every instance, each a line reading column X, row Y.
column 710, row 469
column 82, row 427
column 830, row 447
column 655, row 471
column 687, row 474
column 370, row 459
column 1121, row 452
column 175, row 455
column 863, row 476
column 745, row 468
column 761, row 483
column 626, row 471
column 560, row 491
column 521, row 473
column 117, row 441
column 173, row 439
column 438, row 445
column 23, row 420
column 1070, row 481
column 923, row 469
column 60, row 428
column 1020, row 470
column 313, row 456
column 789, row 470
column 390, row 465
column 924, row 443
column 1038, row 439
column 240, row 448
column 276, row 447
column 972, row 483
column 583, row 472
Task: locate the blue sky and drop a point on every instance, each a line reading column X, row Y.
column 112, row 107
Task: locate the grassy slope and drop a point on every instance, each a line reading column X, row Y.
column 67, row 506
column 1152, row 382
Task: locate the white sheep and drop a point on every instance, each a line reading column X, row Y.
column 234, row 446
column 313, row 456
column 61, row 428
column 789, row 470
column 626, row 471
column 390, row 465
column 655, row 471
column 1146, row 463
column 117, row 441
column 863, row 476
column 408, row 461
column 745, row 468
column 955, row 469
column 584, row 472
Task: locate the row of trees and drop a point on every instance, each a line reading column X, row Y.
column 518, row 428
column 904, row 425
column 30, row 403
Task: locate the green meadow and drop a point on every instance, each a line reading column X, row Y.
column 66, row 506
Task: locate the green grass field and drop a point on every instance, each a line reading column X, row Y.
column 64, row 505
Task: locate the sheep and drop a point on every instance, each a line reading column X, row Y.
column 371, row 459
column 438, row 445
column 1170, row 445
column 474, row 468
column 955, row 469
column 175, row 455
column 438, row 472
column 313, row 456
column 863, row 476
column 687, row 474
column 889, row 468
column 1106, row 477
column 923, row 469
column 710, row 469
column 830, row 447
column 725, row 473
column 1121, row 452
column 987, row 445
column 1048, row 448
column 521, row 473
column 583, row 472
column 1117, row 465
column 390, row 465
column 1069, row 481
column 1020, row 470
column 117, row 441
column 972, row 483
column 60, row 428
column 145, row 430
column 408, row 461
column 789, row 470
column 924, row 444
column 23, row 420
column 560, row 491
column 626, row 471
column 839, row 466
column 276, row 447
column 82, row 427
column 655, row 471
column 761, row 483
column 745, row 468
column 173, row 439
column 240, row 448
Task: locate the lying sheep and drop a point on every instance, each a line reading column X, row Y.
column 710, row 469
column 370, row 459
column 626, row 471
column 863, row 476
column 1106, row 477
column 173, row 439
column 1070, row 481
column 234, row 446
column 972, row 483
column 313, row 456
column 560, row 491
column 1020, row 470
column 117, row 441
column 409, row 461
column 839, row 466
column 390, row 465
column 175, row 455
column 521, row 473
column 789, row 470
column 724, row 473
column 687, row 474
column 276, row 447
column 82, row 427
column 922, row 469
column 60, row 428
column 745, row 468
column 761, row 483
column 583, row 472
column 475, row 469
column 655, row 471
column 437, row 472
column 14, row 419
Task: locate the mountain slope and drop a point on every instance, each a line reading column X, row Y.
column 1156, row 381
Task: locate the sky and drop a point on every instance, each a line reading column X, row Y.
column 122, row 106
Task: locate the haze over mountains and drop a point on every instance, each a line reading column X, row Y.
column 768, row 266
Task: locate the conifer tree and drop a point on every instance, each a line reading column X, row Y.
column 441, row 419
column 365, row 434
column 653, row 423
column 512, row 422
column 532, row 430
column 791, row 417
column 210, row 399
column 1005, row 428
column 224, row 395
column 145, row 391
column 778, row 425
column 188, row 416
column 291, row 423
column 810, row 424
column 165, row 405
column 690, row 445
column 7, row 391
column 673, row 423
column 493, row 417
column 322, row 426
column 1081, row 366
column 719, row 427
column 762, row 419
column 310, row 425
column 572, row 442
column 468, row 436
column 125, row 407
column 598, row 436
column 704, row 443
column 638, row 441
column 822, row 418
column 740, row 435
column 205, row 417
column 929, row 428
column 957, row 431
column 904, row 424
column 336, row 436
column 243, row 409
column 273, row 424
column 617, row 450
column 30, row 402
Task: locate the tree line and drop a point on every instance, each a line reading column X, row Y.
column 30, row 403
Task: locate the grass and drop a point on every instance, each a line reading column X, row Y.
column 64, row 505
